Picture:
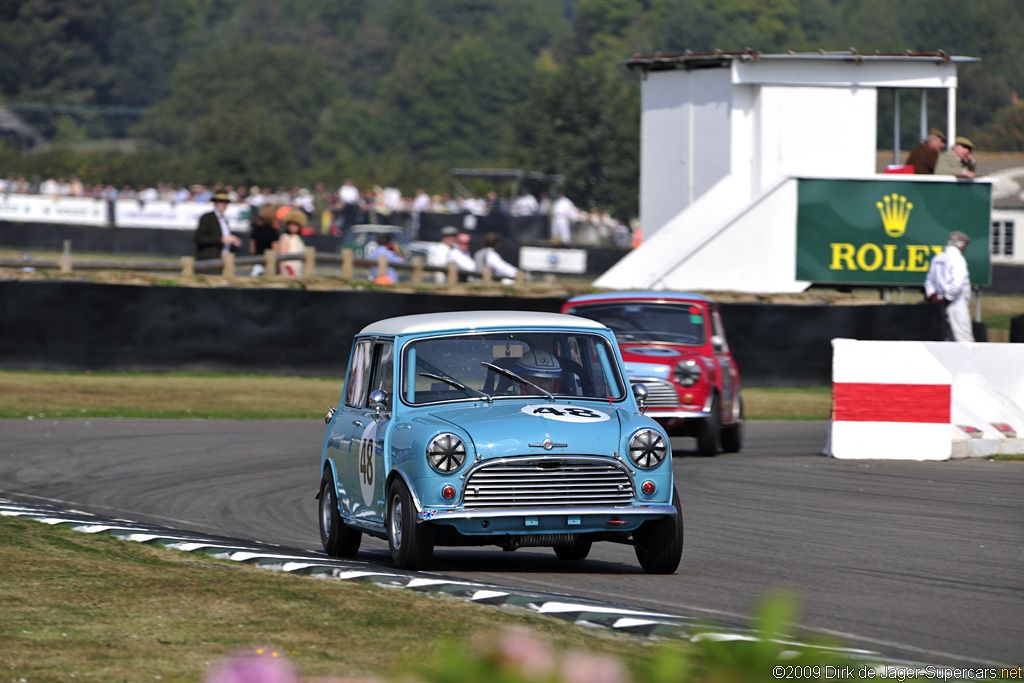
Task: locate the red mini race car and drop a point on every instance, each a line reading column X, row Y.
column 674, row 343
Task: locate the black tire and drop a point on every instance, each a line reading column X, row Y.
column 574, row 553
column 707, row 436
column 659, row 542
column 732, row 434
column 411, row 543
column 338, row 539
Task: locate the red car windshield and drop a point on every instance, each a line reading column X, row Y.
column 672, row 323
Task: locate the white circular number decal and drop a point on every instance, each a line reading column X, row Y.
column 366, row 448
column 564, row 413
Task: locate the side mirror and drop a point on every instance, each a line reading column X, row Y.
column 330, row 414
column 379, row 400
column 717, row 343
column 640, row 393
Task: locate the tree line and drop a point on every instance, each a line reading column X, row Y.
column 400, row 92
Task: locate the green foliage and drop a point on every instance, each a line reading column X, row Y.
column 582, row 121
column 401, row 91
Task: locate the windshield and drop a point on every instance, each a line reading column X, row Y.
column 675, row 323
column 505, row 365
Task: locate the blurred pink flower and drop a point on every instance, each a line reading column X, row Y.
column 254, row 667
column 519, row 650
column 579, row 667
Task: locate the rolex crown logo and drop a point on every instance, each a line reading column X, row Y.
column 895, row 210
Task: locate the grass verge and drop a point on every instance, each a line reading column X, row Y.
column 102, row 609
column 261, row 397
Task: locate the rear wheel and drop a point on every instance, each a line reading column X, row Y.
column 411, row 544
column 707, row 435
column 575, row 552
column 338, row 539
column 659, row 542
column 732, row 434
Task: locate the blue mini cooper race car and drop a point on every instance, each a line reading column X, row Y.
column 513, row 429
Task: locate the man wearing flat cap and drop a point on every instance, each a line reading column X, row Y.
column 958, row 161
column 925, row 155
column 213, row 237
column 948, row 287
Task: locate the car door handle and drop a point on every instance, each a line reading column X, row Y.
column 357, row 423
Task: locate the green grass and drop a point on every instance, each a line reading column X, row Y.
column 92, row 608
column 40, row 394
column 83, row 607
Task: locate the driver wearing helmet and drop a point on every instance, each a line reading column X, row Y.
column 541, row 368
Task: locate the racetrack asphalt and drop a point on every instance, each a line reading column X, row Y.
column 922, row 560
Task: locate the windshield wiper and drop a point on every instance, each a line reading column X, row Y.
column 450, row 381
column 512, row 375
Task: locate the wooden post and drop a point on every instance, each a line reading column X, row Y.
column 229, row 265
column 348, row 258
column 520, row 277
column 417, row 269
column 188, row 265
column 453, row 273
column 271, row 262
column 310, row 260
column 65, row 257
column 382, row 265
column 488, row 275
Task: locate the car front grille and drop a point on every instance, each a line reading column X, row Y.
column 660, row 394
column 548, row 483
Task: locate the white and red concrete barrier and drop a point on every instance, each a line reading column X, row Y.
column 911, row 400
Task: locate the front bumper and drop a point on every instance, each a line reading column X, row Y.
column 547, row 520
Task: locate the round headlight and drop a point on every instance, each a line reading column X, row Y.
column 446, row 453
column 687, row 372
column 647, row 448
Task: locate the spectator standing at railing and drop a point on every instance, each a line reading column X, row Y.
column 525, row 205
column 489, row 256
column 924, row 156
column 264, row 236
column 213, row 236
column 349, row 196
column 958, row 160
column 948, row 287
column 291, row 242
column 563, row 213
column 421, row 204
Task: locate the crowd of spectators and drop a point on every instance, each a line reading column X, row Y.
column 334, row 211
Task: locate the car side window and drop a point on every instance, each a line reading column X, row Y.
column 383, row 368
column 358, row 375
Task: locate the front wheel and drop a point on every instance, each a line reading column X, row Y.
column 707, row 436
column 338, row 539
column 411, row 544
column 732, row 434
column 659, row 542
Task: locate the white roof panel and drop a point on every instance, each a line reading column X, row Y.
column 475, row 320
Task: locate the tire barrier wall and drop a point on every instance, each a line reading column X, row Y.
column 81, row 326
column 926, row 400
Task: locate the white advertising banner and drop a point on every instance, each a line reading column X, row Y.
column 131, row 213
column 33, row 208
column 545, row 260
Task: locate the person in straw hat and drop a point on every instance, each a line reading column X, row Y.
column 291, row 242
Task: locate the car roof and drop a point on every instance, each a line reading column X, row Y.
column 640, row 296
column 476, row 320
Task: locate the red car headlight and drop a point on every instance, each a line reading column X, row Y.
column 687, row 372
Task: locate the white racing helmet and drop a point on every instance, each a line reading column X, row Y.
column 539, row 364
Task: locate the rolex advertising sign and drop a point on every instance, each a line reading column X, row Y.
column 885, row 232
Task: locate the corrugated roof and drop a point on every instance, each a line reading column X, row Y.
column 721, row 58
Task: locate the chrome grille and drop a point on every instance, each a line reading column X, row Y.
column 660, row 394
column 544, row 483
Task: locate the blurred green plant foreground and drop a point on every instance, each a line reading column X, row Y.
column 518, row 656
